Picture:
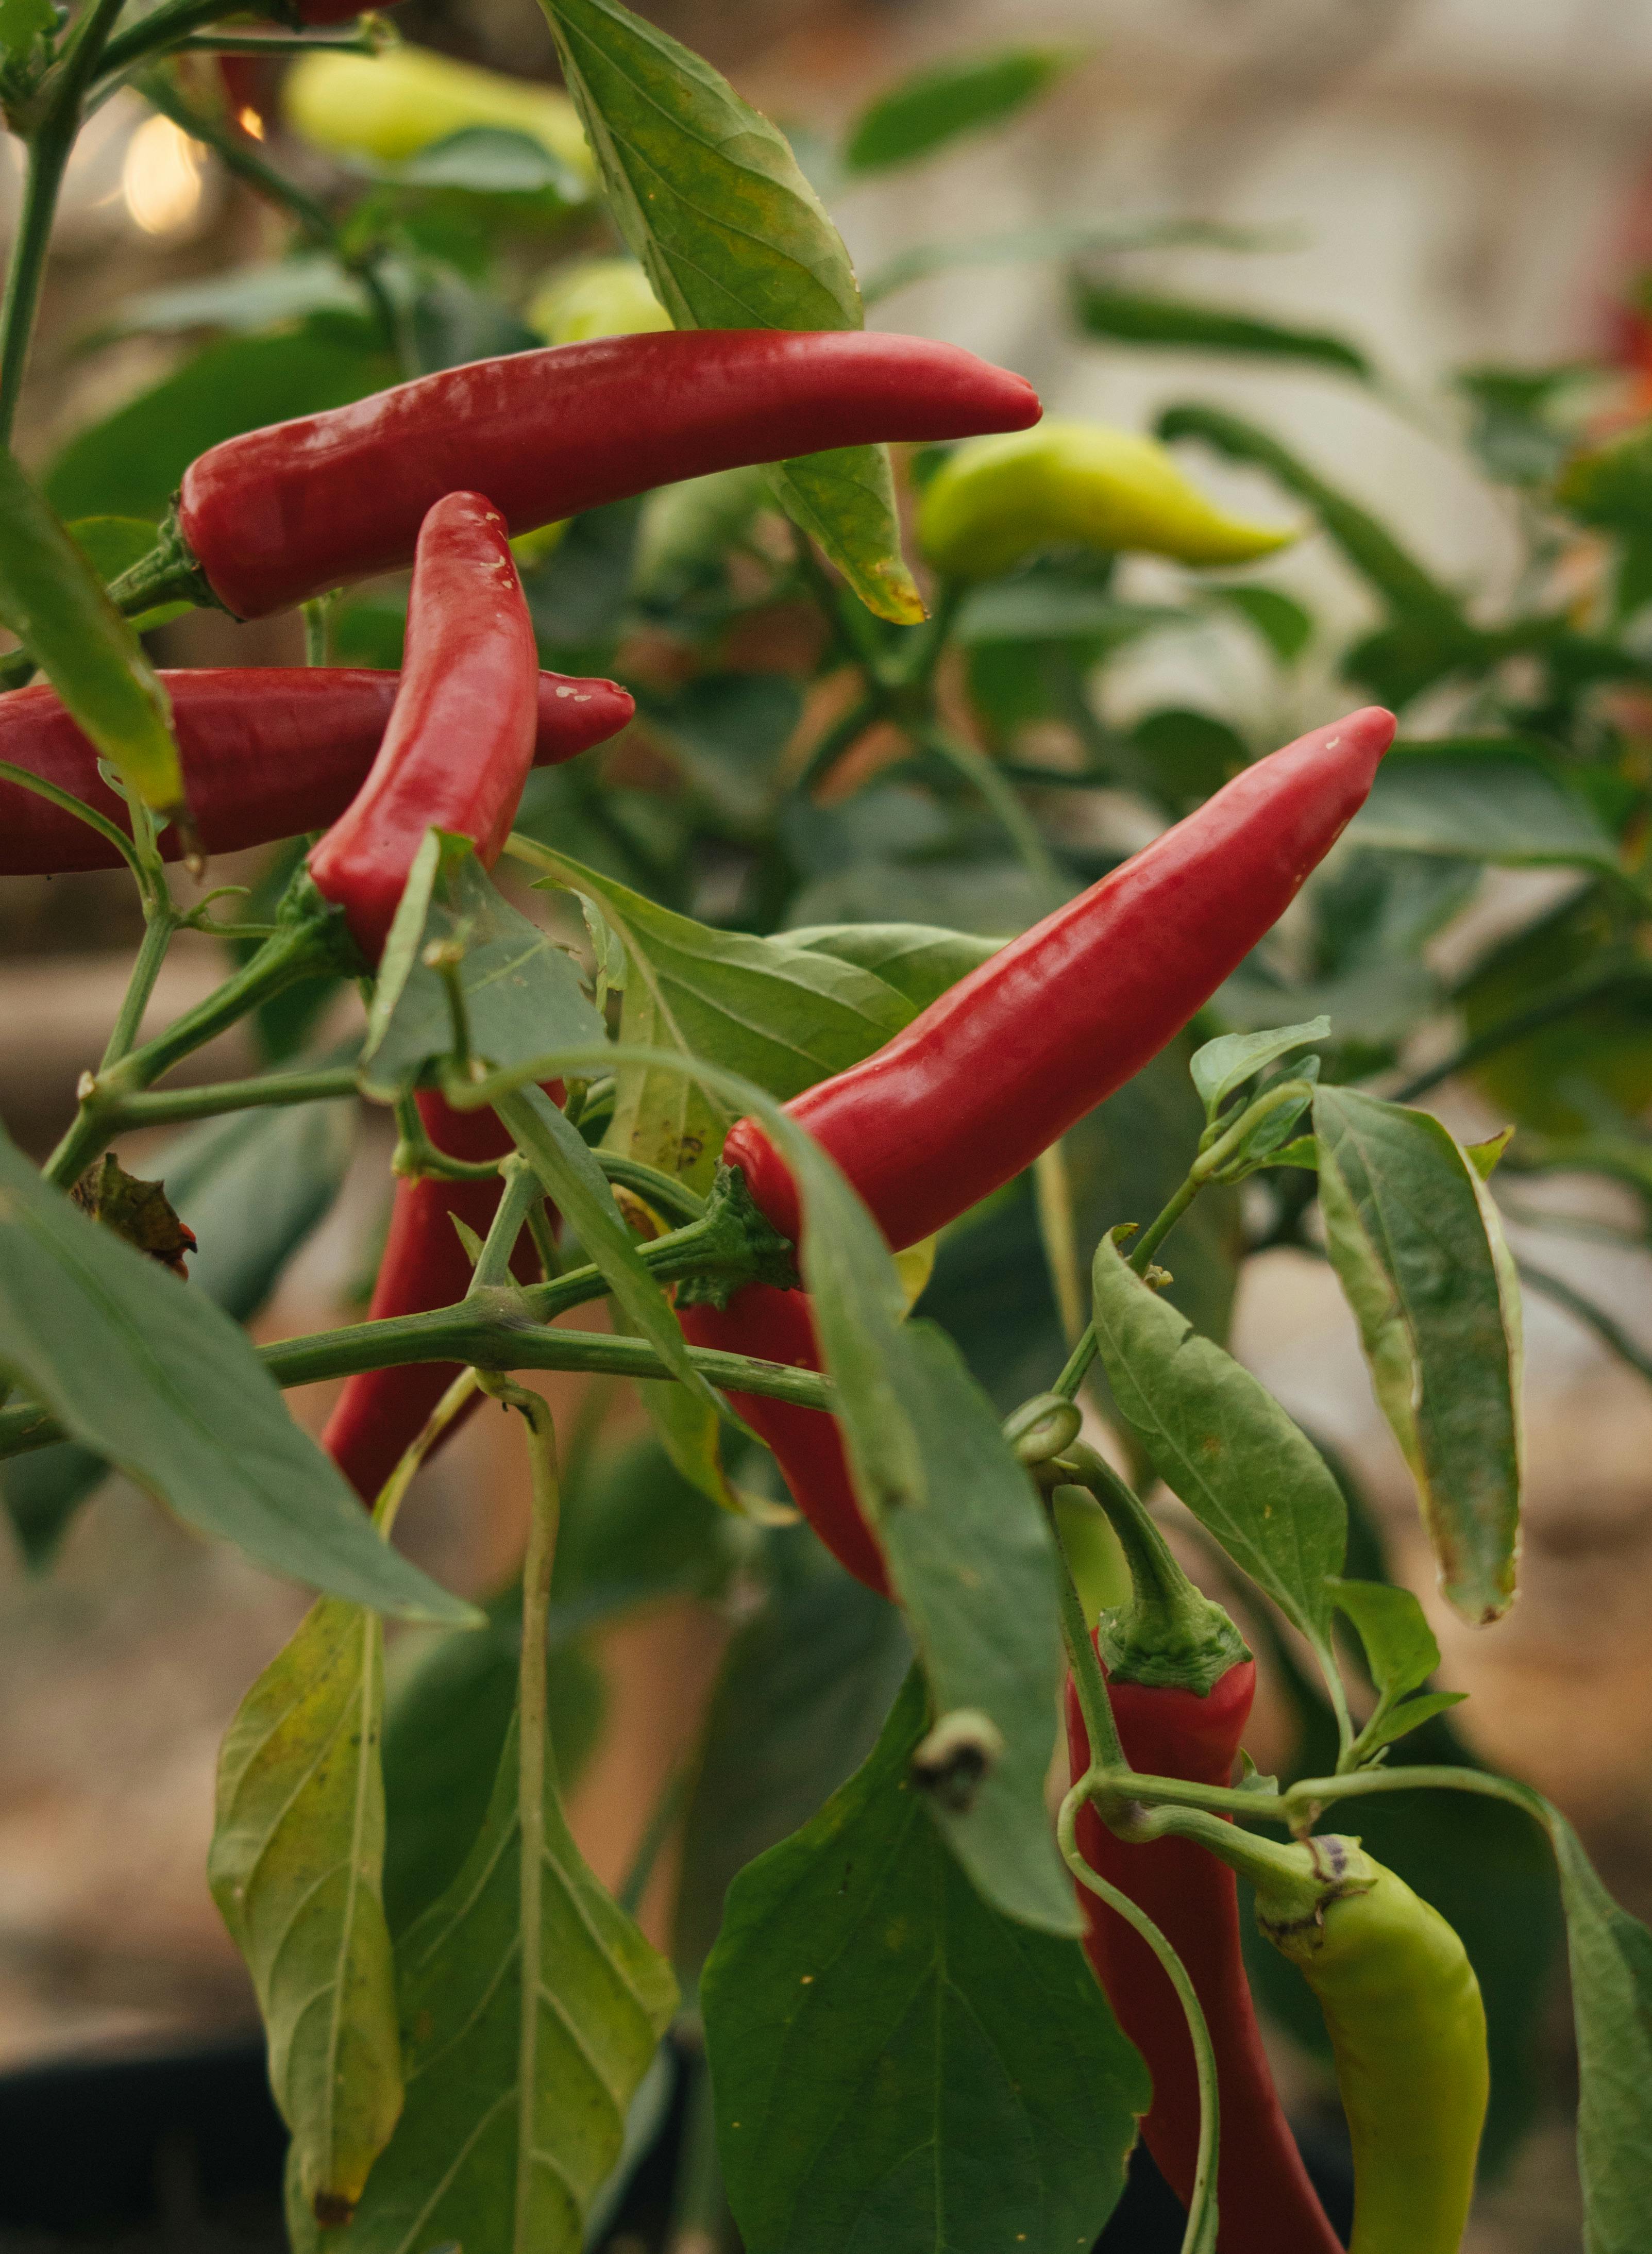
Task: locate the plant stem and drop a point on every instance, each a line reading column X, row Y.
column 842, row 734
column 391, row 1493
column 1605, row 1327
column 1089, row 1683
column 328, row 1083
column 318, row 617
column 1000, row 797
column 50, row 140
column 157, row 937
column 522, row 1193
column 652, row 1187
column 1199, row 2233
column 1589, row 985
column 161, row 28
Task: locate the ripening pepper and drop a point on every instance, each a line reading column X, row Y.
column 998, row 500
column 390, row 106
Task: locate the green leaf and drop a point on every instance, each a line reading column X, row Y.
column 935, row 106
column 150, row 1375
column 965, row 1537
column 1284, row 624
column 23, row 22
column 777, row 1014
column 479, row 2156
column 1138, row 317
column 1219, row 1439
column 1500, row 799
column 295, row 1868
column 1417, row 1249
column 577, row 1186
column 1184, row 757
column 251, row 1187
column 897, row 2065
column 1401, row 1653
column 1409, row 590
column 247, row 297
column 54, row 603
column 1610, row 1959
column 130, row 465
column 710, row 200
column 492, row 160
column 918, row 960
column 1225, row 1064
column 1059, row 239
column 804, row 1691
column 522, row 993
column 110, row 545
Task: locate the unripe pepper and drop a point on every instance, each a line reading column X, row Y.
column 1181, row 1684
column 390, row 106
column 998, row 500
column 278, row 514
column 268, row 753
column 1408, row 2031
column 597, row 297
column 1004, row 1062
column 460, row 741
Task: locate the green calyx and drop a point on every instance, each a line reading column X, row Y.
column 1169, row 1637
column 735, row 1245
column 1291, row 1911
column 167, row 574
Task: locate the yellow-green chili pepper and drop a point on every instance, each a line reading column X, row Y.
column 393, row 105
column 997, row 501
column 595, row 297
column 1402, row 2006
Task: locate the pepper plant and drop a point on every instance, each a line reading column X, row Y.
column 976, row 1184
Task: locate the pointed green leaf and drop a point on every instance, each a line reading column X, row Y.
column 1400, row 1653
column 522, row 994
column 935, row 106
column 1218, row 1439
column 777, row 1013
column 897, row 2064
column 1418, row 1249
column 1226, row 1063
column 150, row 1375
column 296, row 1868
column 526, row 2036
column 710, row 198
column 54, row 603
column 1139, row 317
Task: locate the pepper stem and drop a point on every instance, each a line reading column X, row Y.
column 1172, row 1634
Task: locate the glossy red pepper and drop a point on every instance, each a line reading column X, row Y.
column 424, row 1266
column 286, row 512
column 1266, row 2203
column 1004, row 1061
column 777, row 1326
column 267, row 754
column 460, row 741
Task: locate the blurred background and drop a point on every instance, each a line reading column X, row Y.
column 1444, row 182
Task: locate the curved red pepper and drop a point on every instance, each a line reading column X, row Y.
column 1267, row 2204
column 777, row 1327
column 286, row 512
column 424, row 1266
column 1004, row 1061
column 461, row 736
column 267, row 754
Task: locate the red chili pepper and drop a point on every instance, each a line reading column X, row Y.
column 424, row 1266
column 286, row 512
column 777, row 1327
column 267, row 754
column 1004, row 1061
column 461, row 736
column 1267, row 2203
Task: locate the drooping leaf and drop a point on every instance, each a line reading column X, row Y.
column 1417, row 1248
column 936, row 106
column 522, row 994
column 710, row 198
column 1611, row 1958
column 803, row 1692
column 782, row 1016
column 965, row 1539
column 1500, row 800
column 150, row 1375
column 296, row 1868
column 896, row 2063
column 1222, row 1443
column 1139, row 317
column 531, row 2007
column 53, row 601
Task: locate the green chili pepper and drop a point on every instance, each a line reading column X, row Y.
column 595, row 297
column 998, row 500
column 1402, row 2006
